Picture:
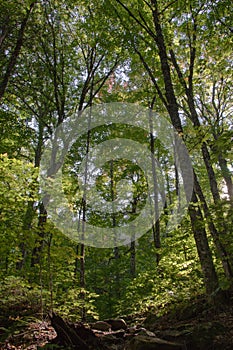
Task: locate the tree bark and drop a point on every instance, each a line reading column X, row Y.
column 203, row 249
column 156, row 226
column 221, row 251
column 132, row 259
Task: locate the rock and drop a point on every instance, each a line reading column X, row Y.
column 119, row 334
column 176, row 335
column 101, row 326
column 132, row 330
column 144, row 331
column 112, row 339
column 117, row 324
column 141, row 342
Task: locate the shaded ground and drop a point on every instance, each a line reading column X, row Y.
column 197, row 325
column 29, row 336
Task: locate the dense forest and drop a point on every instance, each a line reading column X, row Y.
column 116, row 158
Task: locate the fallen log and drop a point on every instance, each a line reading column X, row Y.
column 75, row 336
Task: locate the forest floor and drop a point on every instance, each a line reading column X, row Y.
column 199, row 325
column 196, row 324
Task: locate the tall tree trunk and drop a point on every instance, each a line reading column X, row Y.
column 114, row 223
column 39, row 241
column 156, row 226
column 82, row 246
column 82, row 281
column 226, row 260
column 172, row 105
column 225, row 256
column 132, row 244
column 195, row 120
column 210, row 276
column 50, row 274
column 203, row 249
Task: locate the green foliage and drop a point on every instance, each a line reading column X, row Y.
column 69, row 304
column 176, row 278
column 19, row 298
column 18, row 187
column 77, row 55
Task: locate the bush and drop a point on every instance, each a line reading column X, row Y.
column 18, row 299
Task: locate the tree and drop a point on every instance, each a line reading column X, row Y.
column 171, row 104
column 10, row 49
column 70, row 61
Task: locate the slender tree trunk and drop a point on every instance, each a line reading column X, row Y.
column 205, row 152
column 221, row 250
column 82, row 246
column 132, row 259
column 76, row 263
column 114, row 223
column 156, row 239
column 15, row 52
column 203, row 249
column 29, row 215
column 156, row 226
column 222, row 230
column 195, row 120
column 82, row 281
column 172, row 105
column 132, row 244
column 39, row 243
column 177, row 185
column 227, row 176
column 27, row 225
column 50, row 274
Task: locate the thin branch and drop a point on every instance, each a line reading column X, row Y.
column 152, row 77
column 148, row 4
column 145, row 27
column 166, row 7
column 178, row 71
column 192, row 46
column 104, row 79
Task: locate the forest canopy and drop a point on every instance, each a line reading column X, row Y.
column 62, row 60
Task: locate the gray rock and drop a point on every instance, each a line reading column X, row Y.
column 144, row 331
column 132, row 330
column 117, row 324
column 101, row 326
column 141, row 342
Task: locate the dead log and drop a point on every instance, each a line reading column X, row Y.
column 75, row 335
